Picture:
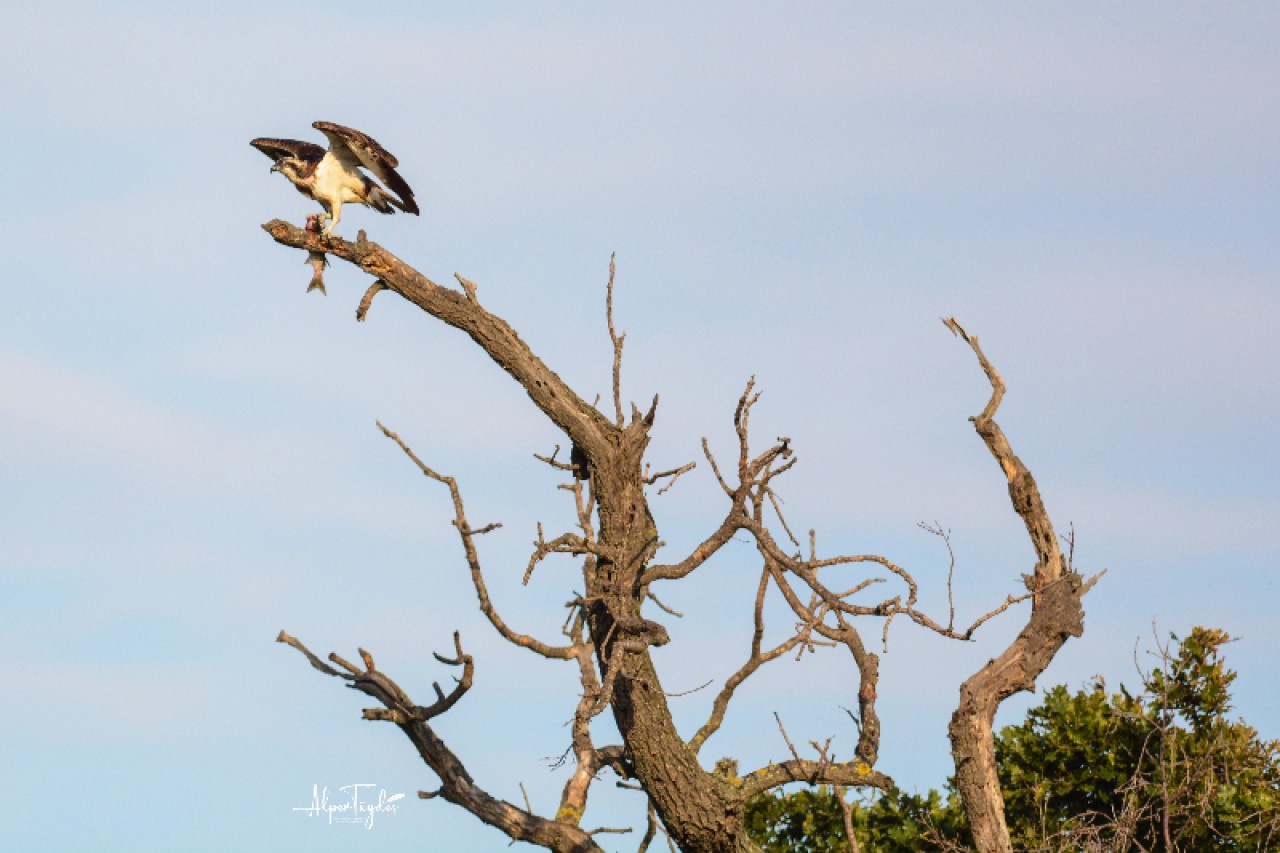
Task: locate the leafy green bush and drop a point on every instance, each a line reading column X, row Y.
column 1165, row 770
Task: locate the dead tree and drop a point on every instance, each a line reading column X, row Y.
column 608, row 635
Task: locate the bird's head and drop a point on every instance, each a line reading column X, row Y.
column 287, row 166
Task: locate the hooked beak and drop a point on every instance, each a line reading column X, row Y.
column 275, row 167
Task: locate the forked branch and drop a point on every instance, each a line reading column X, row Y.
column 457, row 785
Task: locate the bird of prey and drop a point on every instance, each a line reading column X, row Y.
column 333, row 177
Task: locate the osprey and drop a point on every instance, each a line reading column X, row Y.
column 333, row 177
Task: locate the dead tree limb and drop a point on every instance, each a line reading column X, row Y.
column 468, row 535
column 586, row 426
column 457, row 786
column 1056, row 614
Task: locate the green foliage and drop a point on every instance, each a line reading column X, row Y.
column 1214, row 779
column 1161, row 771
column 1073, row 756
column 807, row 821
column 1195, row 684
column 810, row 821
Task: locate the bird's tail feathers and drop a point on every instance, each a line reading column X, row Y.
column 408, row 206
column 382, row 201
column 385, row 202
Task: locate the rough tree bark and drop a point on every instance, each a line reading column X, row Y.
column 609, row 636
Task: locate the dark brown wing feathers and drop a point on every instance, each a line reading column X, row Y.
column 279, row 148
column 356, row 141
column 360, row 149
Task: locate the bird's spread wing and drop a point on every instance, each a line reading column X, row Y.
column 278, row 148
column 354, row 149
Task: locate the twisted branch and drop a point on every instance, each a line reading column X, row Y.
column 1056, row 614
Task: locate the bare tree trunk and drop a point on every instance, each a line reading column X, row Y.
column 701, row 811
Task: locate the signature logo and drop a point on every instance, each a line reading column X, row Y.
column 352, row 804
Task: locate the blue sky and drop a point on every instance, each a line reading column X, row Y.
column 794, row 192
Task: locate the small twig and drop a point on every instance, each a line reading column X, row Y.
column 884, row 635
column 656, row 601
column 282, row 637
column 674, row 474
column 997, row 383
column 807, row 643
column 945, row 536
column 469, row 287
column 773, row 499
column 857, row 724
column 367, row 300
column 340, row 661
column 649, row 415
column 566, row 543
column 604, row 829
column 1070, row 539
column 1008, row 602
column 558, row 761
column 1088, row 585
column 859, row 587
column 617, row 345
column 688, row 692
column 551, row 460
column 790, row 746
column 527, row 806
column 715, row 469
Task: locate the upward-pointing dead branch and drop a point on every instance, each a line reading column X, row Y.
column 1056, row 614
column 617, row 340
